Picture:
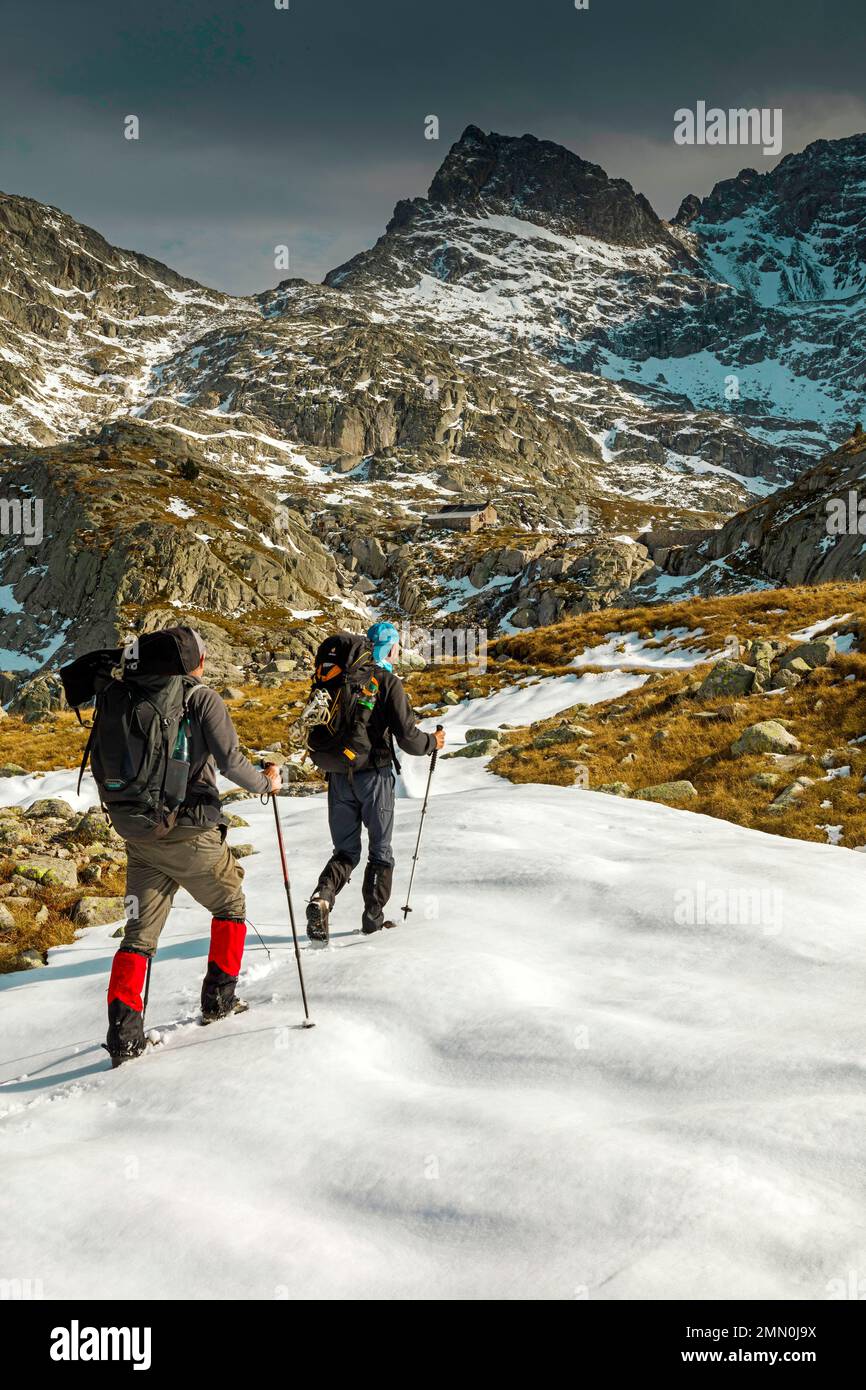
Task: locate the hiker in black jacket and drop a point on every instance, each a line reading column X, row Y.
column 366, row 798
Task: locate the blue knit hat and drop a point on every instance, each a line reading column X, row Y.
column 384, row 636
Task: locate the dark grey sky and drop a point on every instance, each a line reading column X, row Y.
column 262, row 126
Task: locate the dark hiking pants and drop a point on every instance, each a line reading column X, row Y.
column 363, row 801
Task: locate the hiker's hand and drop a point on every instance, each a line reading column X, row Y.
column 440, row 738
column 275, row 778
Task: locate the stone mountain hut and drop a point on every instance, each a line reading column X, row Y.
column 464, row 516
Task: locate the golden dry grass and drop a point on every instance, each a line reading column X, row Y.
column 744, row 615
column 54, row 742
column 58, row 928
column 823, row 713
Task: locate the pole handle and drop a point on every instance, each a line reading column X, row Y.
column 439, row 728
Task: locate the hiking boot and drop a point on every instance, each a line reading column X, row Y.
column 237, row 1006
column 318, row 912
column 368, row 927
column 217, row 993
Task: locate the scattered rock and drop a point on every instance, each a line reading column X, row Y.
column 790, row 761
column 835, row 757
column 818, row 652
column 563, row 733
column 53, row 806
column 242, row 851
column 12, row 770
column 615, row 788
column 731, row 713
column 12, row 835
column 790, row 795
column 667, row 791
column 761, row 654
column 766, row 779
column 478, row 748
column 473, row 734
column 97, row 912
column 94, row 829
column 29, row 960
column 767, row 736
column 727, row 677
column 44, row 869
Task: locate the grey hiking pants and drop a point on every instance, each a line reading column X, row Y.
column 197, row 860
column 363, row 801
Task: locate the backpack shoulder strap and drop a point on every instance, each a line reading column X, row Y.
column 86, row 754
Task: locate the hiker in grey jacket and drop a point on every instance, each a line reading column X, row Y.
column 193, row 855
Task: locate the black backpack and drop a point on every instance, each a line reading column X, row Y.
column 138, row 744
column 345, row 687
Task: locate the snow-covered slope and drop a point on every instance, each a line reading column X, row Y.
column 743, row 308
column 560, row 1080
column 84, row 325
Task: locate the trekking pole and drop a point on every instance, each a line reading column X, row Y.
column 307, row 1023
column 407, row 909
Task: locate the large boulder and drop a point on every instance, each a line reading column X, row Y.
column 768, row 736
column 38, row 697
column 727, row 678
column 818, row 652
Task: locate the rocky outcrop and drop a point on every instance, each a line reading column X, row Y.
column 129, row 546
column 806, row 533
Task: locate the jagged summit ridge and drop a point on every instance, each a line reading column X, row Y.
column 546, row 183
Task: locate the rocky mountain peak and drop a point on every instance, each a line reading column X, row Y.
column 542, row 182
column 804, row 189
